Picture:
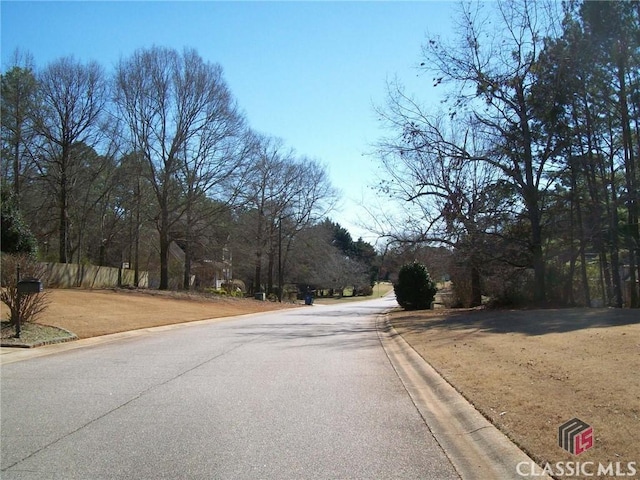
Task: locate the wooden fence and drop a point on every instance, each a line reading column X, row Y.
column 67, row 275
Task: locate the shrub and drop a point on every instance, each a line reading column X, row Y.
column 511, row 288
column 414, row 290
column 16, row 236
column 234, row 286
column 461, row 286
column 27, row 307
column 365, row 291
column 223, row 292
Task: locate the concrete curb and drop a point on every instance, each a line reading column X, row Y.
column 476, row 448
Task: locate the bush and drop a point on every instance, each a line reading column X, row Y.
column 223, row 292
column 16, row 236
column 29, row 306
column 414, row 290
column 461, row 286
column 365, row 291
column 235, row 287
column 510, row 288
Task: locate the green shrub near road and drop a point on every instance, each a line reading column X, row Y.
column 414, row 290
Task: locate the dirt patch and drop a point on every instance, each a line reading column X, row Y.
column 91, row 313
column 530, row 371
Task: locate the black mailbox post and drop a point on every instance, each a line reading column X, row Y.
column 28, row 286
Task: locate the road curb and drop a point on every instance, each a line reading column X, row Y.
column 476, row 448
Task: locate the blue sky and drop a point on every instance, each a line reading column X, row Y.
column 307, row 72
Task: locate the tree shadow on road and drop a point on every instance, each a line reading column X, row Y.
column 527, row 322
column 323, row 332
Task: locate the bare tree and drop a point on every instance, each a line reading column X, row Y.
column 215, row 160
column 431, row 162
column 72, row 98
column 265, row 187
column 176, row 107
column 493, row 69
column 284, row 194
column 317, row 262
column 309, row 198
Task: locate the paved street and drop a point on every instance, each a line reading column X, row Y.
column 301, row 393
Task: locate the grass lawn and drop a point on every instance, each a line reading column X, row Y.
column 528, row 372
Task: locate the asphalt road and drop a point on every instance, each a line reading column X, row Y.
column 300, row 393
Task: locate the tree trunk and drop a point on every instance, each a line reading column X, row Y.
column 257, row 287
column 164, row 249
column 271, row 266
column 259, row 248
column 531, row 198
column 605, row 277
column 280, row 272
column 539, row 288
column 16, row 165
column 616, row 301
column 270, row 271
column 136, row 254
column 633, row 236
column 476, row 291
column 583, row 271
column 583, row 242
column 64, row 211
column 186, row 282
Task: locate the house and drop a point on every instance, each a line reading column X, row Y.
column 207, row 273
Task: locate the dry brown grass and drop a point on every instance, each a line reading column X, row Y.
column 530, row 371
column 91, row 313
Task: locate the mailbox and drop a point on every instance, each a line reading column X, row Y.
column 29, row 285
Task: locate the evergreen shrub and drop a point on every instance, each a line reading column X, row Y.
column 414, row 289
